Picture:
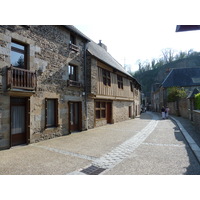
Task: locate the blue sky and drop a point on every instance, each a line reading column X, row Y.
column 132, row 30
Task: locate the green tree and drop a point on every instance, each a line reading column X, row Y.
column 197, row 101
column 176, row 93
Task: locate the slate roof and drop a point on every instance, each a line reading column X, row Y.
column 104, row 56
column 75, row 30
column 182, row 77
column 192, row 93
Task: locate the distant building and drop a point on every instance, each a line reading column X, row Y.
column 188, row 78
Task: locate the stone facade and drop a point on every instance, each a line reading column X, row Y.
column 196, row 119
column 49, row 54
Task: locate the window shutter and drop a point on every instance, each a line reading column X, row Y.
column 56, row 112
column 45, row 113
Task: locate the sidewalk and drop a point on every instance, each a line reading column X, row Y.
column 190, row 133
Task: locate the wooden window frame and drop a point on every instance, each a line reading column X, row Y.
column 55, row 124
column 106, row 77
column 24, row 52
column 101, row 109
column 120, row 81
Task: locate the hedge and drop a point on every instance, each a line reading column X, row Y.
column 197, row 101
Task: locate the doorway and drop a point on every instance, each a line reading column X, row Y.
column 75, row 113
column 109, row 112
column 19, row 121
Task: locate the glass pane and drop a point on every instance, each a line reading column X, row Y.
column 98, row 114
column 97, row 104
column 17, row 59
column 50, row 112
column 108, row 82
column 18, row 119
column 76, row 113
column 71, row 113
column 72, row 70
column 104, row 81
column 103, row 114
column 18, row 46
column 103, row 104
column 69, row 69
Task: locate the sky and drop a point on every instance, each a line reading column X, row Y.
column 129, row 43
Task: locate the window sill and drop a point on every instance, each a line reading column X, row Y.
column 51, row 127
column 100, row 119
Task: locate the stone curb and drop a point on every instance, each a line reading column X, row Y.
column 195, row 148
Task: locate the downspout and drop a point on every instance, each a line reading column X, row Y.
column 85, row 86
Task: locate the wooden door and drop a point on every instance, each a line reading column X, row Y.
column 18, row 121
column 109, row 112
column 74, row 116
column 129, row 112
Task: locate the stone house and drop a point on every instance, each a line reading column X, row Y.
column 113, row 95
column 42, row 89
column 187, row 78
column 54, row 81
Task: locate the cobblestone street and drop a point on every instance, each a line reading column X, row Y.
column 145, row 145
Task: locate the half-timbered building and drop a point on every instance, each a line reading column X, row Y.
column 113, row 95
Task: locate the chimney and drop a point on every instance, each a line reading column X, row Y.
column 102, row 45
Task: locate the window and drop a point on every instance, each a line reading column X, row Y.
column 120, row 81
column 18, row 55
column 131, row 86
column 72, row 39
column 100, row 110
column 51, row 113
column 72, row 71
column 106, row 77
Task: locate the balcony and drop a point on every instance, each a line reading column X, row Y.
column 73, row 47
column 71, row 83
column 21, row 79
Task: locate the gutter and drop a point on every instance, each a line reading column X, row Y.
column 85, row 85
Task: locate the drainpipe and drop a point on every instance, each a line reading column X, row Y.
column 85, row 86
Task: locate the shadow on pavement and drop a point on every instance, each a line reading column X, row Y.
column 194, row 165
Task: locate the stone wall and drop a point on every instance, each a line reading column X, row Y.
column 49, row 55
column 121, row 110
column 183, row 108
column 90, row 113
column 179, row 108
column 196, row 119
